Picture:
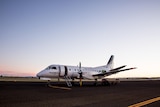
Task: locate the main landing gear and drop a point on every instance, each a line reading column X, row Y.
column 110, row 82
column 95, row 82
column 105, row 82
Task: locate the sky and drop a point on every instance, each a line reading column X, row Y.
column 38, row 33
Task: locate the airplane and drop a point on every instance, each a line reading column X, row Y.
column 77, row 72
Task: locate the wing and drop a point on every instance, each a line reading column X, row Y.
column 118, row 68
column 114, row 71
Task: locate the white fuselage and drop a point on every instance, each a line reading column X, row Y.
column 56, row 71
column 61, row 71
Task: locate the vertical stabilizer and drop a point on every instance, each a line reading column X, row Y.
column 110, row 63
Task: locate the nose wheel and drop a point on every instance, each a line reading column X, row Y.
column 95, row 83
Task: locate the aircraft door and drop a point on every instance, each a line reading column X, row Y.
column 63, row 70
column 66, row 71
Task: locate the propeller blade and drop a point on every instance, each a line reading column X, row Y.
column 80, row 71
column 80, row 66
column 80, row 74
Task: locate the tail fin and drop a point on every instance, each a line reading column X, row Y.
column 110, row 63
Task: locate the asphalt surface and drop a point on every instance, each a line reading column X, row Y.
column 39, row 94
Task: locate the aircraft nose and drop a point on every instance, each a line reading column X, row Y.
column 40, row 74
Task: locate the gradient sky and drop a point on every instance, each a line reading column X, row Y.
column 37, row 33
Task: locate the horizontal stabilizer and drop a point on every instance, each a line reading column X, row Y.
column 114, row 71
column 127, row 69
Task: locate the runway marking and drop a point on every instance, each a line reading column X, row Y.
column 65, row 88
column 145, row 102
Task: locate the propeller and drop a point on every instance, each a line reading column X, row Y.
column 80, row 70
column 80, row 74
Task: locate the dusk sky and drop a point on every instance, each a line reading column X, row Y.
column 38, row 33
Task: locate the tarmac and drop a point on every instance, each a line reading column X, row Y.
column 40, row 94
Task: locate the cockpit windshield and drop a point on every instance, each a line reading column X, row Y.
column 51, row 67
